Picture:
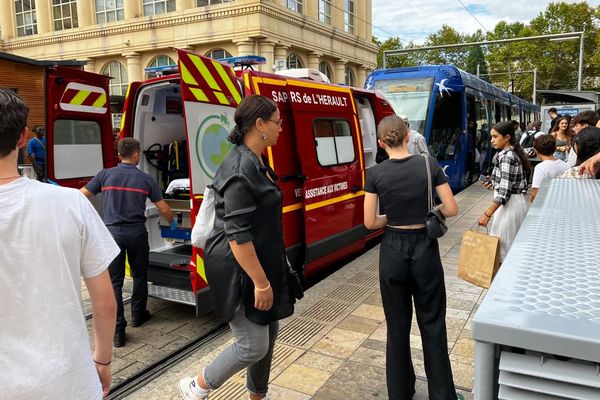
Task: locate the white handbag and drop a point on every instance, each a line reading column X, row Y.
column 205, row 220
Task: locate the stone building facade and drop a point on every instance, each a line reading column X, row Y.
column 121, row 38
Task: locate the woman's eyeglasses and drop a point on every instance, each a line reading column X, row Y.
column 278, row 122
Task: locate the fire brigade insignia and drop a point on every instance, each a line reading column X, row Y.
column 211, row 143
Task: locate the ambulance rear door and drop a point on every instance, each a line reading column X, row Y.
column 330, row 152
column 79, row 134
column 210, row 93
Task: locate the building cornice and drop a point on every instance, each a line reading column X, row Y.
column 187, row 17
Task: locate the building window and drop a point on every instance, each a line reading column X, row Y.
column 333, row 141
column 348, row 76
column 204, row 3
column 293, row 61
column 162, row 61
column 294, row 5
column 349, row 16
column 116, row 70
column 109, row 11
column 155, row 7
column 325, row 11
column 26, row 17
column 65, row 14
column 218, row 54
column 326, row 69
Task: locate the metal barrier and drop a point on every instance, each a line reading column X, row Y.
column 537, row 332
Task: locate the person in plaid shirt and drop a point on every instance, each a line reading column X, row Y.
column 509, row 183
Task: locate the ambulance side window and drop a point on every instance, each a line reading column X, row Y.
column 77, row 148
column 333, row 141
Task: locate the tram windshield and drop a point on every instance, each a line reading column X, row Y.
column 408, row 97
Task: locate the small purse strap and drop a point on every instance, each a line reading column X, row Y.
column 429, row 184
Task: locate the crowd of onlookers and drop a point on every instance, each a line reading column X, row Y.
column 570, row 149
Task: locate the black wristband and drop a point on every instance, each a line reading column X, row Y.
column 99, row 363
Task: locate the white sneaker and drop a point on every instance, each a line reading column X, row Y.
column 185, row 389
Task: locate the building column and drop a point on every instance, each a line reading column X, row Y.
column 7, row 21
column 339, row 72
column 266, row 49
column 313, row 60
column 181, row 5
column 245, row 48
column 132, row 9
column 361, row 76
column 280, row 54
column 85, row 13
column 44, row 16
column 91, row 65
column 134, row 66
column 337, row 14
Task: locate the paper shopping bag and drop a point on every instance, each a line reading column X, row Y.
column 479, row 258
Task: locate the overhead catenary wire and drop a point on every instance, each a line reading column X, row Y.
column 473, row 15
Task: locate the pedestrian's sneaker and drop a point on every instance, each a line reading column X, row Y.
column 185, row 389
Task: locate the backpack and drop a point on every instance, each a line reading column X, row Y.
column 529, row 139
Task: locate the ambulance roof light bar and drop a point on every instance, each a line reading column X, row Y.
column 154, row 72
column 246, row 62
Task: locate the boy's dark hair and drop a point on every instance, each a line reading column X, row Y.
column 545, row 145
column 586, row 117
column 13, row 119
column 553, row 110
column 127, row 146
column 588, row 143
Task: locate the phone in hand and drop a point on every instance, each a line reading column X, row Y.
column 485, row 179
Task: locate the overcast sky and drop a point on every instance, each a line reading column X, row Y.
column 414, row 20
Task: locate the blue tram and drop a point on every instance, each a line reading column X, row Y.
column 444, row 103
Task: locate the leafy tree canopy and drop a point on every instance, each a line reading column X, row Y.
column 556, row 62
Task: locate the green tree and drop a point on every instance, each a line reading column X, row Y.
column 393, row 43
column 476, row 62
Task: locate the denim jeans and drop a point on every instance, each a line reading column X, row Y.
column 252, row 349
column 410, row 269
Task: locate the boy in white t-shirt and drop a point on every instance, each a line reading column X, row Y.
column 550, row 167
column 51, row 238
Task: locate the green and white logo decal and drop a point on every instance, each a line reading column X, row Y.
column 211, row 143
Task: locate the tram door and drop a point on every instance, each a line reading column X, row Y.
column 447, row 142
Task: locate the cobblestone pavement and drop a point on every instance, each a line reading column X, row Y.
column 333, row 347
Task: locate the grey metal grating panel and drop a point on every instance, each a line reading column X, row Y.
column 508, row 393
column 298, row 332
column 540, row 375
column 175, row 295
column 546, row 296
column 349, row 293
column 325, row 310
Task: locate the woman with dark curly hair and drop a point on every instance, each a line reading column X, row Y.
column 245, row 255
column 509, row 184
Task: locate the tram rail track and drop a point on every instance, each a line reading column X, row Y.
column 156, row 369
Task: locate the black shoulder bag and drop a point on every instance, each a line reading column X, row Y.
column 435, row 222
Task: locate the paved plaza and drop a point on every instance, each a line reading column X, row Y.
column 333, row 347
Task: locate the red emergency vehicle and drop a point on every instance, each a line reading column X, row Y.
column 328, row 140
column 72, row 105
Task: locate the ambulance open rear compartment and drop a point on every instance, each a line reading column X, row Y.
column 158, row 123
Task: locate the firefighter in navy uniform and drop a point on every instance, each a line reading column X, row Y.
column 124, row 192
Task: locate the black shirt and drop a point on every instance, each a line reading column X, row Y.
column 248, row 207
column 401, row 185
column 124, row 192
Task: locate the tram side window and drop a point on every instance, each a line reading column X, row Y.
column 446, row 126
column 333, row 141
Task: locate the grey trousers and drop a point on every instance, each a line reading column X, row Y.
column 252, row 349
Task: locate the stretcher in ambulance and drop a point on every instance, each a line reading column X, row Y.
column 328, row 140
